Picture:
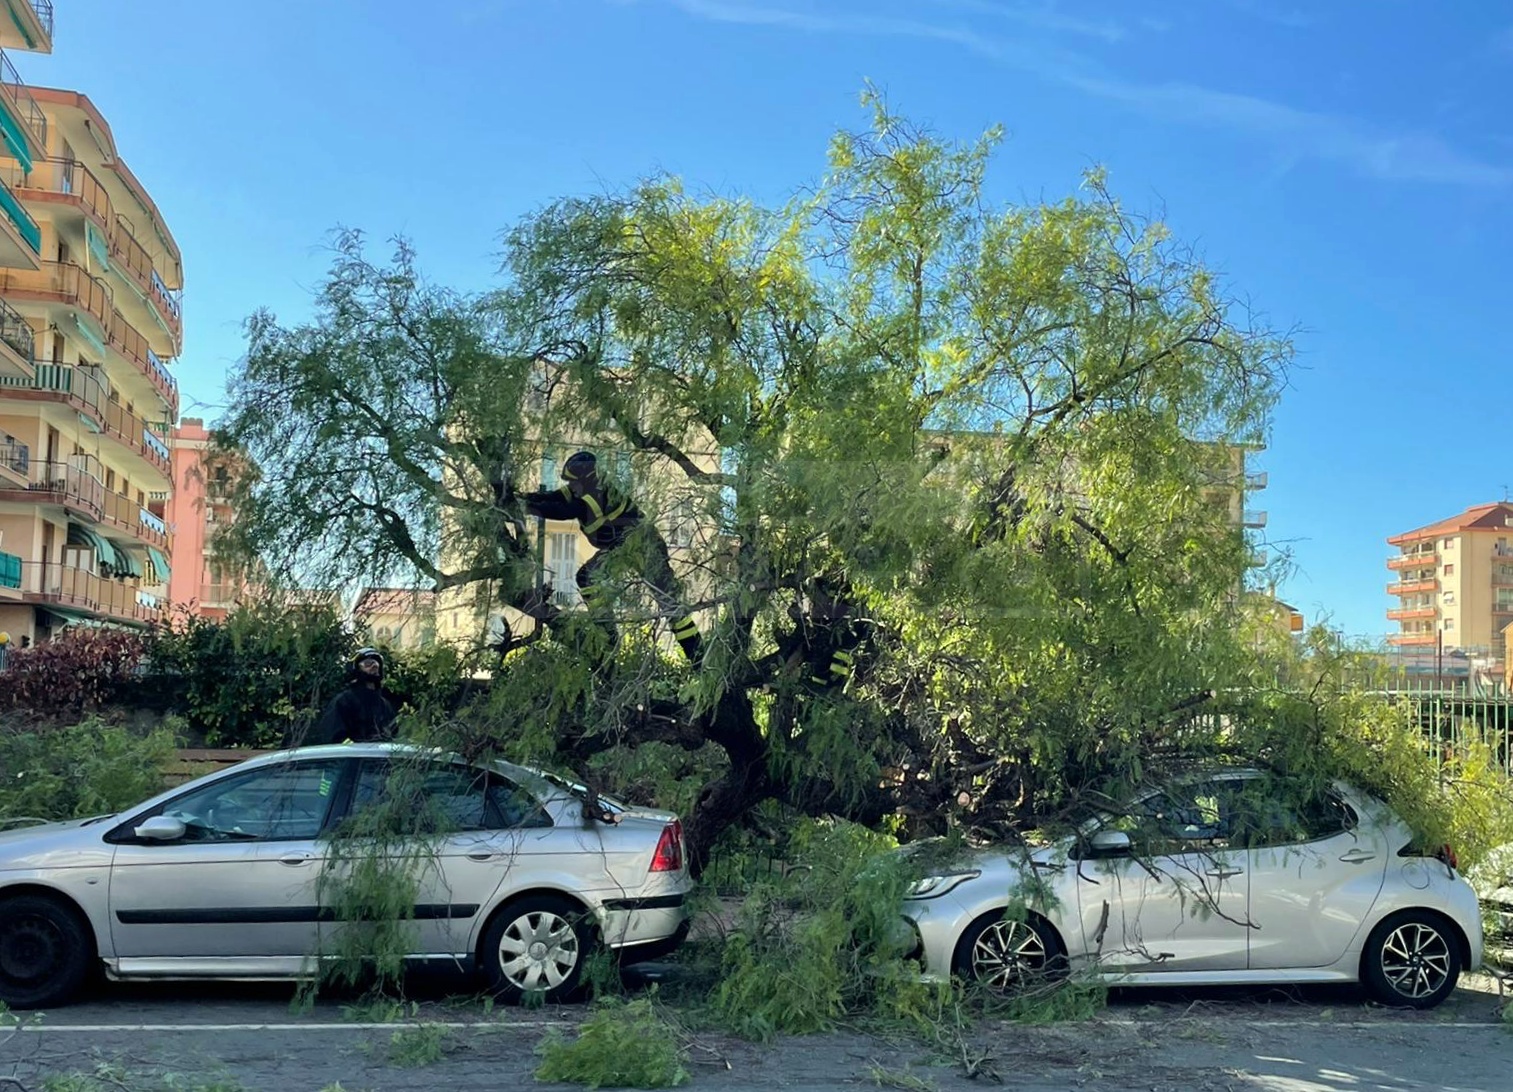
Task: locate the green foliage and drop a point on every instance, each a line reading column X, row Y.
column 260, row 675
column 417, row 1046
column 90, row 768
column 111, row 1077
column 998, row 430
column 621, row 1045
column 79, row 669
column 822, row 942
column 905, row 1078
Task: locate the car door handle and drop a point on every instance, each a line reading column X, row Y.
column 481, row 855
column 1223, row 873
column 1357, row 856
column 295, row 858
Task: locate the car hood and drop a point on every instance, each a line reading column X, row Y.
column 21, row 848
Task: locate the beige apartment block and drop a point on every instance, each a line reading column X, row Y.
column 396, row 618
column 90, row 316
column 1453, row 581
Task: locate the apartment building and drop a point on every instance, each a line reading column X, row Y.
column 1453, row 582
column 200, row 502
column 90, row 317
column 397, row 618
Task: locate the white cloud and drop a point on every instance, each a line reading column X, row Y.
column 1288, row 131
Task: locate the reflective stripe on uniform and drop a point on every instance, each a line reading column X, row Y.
column 685, row 627
column 603, row 519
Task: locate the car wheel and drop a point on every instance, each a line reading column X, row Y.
column 1005, row 954
column 1412, row 960
column 537, row 946
column 45, row 951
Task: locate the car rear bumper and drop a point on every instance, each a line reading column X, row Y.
column 633, row 922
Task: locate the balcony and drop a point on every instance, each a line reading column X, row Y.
column 1408, row 587
column 1413, row 561
column 18, row 345
column 20, row 237
column 1253, row 518
column 10, row 573
column 29, row 26
column 15, row 459
column 218, row 596
column 113, row 240
column 1256, row 480
column 23, row 126
column 1411, row 639
column 1408, row 613
column 67, row 283
column 73, row 589
column 76, row 488
column 85, row 393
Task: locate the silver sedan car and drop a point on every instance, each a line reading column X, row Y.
column 222, row 877
column 1223, row 878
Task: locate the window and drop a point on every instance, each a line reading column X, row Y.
column 1449, row 570
column 1449, row 597
column 1265, row 817
column 1449, row 624
column 277, row 803
column 562, row 567
column 549, row 470
column 1185, row 820
column 449, row 798
column 680, row 527
column 1447, row 544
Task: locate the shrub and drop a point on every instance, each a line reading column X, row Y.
column 622, row 1045
column 90, row 768
column 258, row 676
column 80, row 669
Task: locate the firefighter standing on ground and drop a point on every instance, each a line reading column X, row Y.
column 608, row 519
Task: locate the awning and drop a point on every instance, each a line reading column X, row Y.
column 66, row 617
column 79, row 535
column 128, row 563
column 89, row 334
column 160, row 563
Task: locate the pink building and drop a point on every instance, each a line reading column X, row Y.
column 199, row 500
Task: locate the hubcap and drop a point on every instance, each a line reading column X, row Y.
column 30, row 948
column 1005, row 953
column 538, row 951
column 1416, row 960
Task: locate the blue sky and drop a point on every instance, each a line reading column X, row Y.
column 1348, row 165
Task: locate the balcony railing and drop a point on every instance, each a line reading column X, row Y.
column 14, row 455
column 44, row 10
column 217, row 595
column 81, row 388
column 72, row 483
column 1407, row 587
column 1411, row 639
column 1410, row 561
column 1254, row 518
column 133, row 346
column 1407, row 613
column 23, row 117
column 16, row 332
column 63, row 281
column 25, row 226
column 81, row 589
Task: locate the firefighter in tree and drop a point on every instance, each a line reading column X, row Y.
column 611, row 522
column 822, row 646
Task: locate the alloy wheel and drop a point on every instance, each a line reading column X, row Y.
column 1006, row 952
column 1416, row 959
column 538, row 951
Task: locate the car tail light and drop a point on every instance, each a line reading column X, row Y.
column 669, row 854
column 1449, row 856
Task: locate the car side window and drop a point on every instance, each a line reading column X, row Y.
column 276, row 803
column 445, row 798
column 1184, row 819
column 1274, row 820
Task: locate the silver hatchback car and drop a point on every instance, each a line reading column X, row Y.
column 221, row 877
column 1220, row 879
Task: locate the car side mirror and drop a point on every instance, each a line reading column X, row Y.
column 160, row 828
column 1110, row 842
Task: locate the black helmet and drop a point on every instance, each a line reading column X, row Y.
column 580, row 465
column 367, row 654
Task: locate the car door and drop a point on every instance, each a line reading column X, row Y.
column 452, row 831
column 241, row 882
column 1316, row 868
column 1178, row 898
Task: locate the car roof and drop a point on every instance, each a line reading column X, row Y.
column 376, row 749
